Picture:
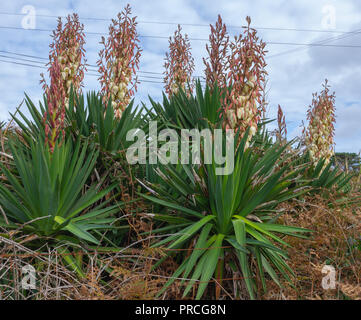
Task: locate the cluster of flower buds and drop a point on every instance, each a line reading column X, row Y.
column 119, row 61
column 179, row 63
column 55, row 112
column 66, row 71
column 281, row 133
column 320, row 131
column 247, row 77
column 216, row 63
column 67, row 51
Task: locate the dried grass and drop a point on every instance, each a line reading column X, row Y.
column 132, row 276
column 335, row 229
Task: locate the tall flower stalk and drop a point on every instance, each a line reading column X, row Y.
column 119, row 61
column 66, row 71
column 246, row 77
column 55, row 112
column 216, row 63
column 67, row 51
column 179, row 63
column 320, row 132
column 281, row 133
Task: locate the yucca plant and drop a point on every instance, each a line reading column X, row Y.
column 108, row 132
column 33, row 127
column 324, row 177
column 227, row 218
column 47, row 191
column 203, row 109
column 87, row 118
column 92, row 119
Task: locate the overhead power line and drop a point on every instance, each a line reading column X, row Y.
column 147, row 74
column 243, row 27
column 142, row 78
column 320, row 43
column 185, row 24
column 41, row 58
column 23, row 64
column 23, row 55
column 90, row 74
column 201, row 39
column 21, row 59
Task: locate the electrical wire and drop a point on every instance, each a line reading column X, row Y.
column 199, row 39
column 184, row 24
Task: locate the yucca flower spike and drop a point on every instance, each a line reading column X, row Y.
column 281, row 133
column 66, row 71
column 119, row 61
column 216, row 63
column 246, row 77
column 67, row 50
column 320, row 132
column 179, row 64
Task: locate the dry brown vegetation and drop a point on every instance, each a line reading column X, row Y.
column 335, row 241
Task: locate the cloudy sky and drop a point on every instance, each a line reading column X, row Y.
column 296, row 69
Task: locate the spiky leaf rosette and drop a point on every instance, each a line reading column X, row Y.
column 224, row 220
column 50, row 195
column 119, row 61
